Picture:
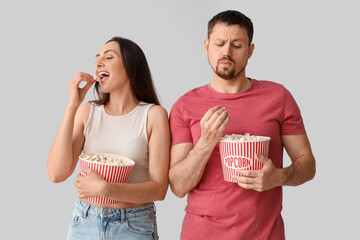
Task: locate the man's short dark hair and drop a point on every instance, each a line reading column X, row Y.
column 232, row 17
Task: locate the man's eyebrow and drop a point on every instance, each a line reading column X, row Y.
column 110, row 50
column 233, row 40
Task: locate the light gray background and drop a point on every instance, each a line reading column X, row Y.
column 312, row 47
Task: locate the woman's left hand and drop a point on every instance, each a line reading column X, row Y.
column 91, row 185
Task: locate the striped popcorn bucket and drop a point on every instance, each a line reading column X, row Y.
column 241, row 155
column 111, row 173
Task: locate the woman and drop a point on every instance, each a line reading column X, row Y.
column 126, row 120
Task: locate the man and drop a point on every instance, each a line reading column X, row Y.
column 250, row 209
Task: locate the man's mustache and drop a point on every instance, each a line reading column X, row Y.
column 227, row 58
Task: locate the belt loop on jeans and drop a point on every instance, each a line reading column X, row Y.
column 86, row 210
column 153, row 204
column 123, row 215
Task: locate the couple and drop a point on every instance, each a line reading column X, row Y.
column 128, row 120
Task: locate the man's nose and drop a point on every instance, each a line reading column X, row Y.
column 227, row 50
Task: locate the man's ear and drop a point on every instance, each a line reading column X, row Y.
column 206, row 45
column 251, row 50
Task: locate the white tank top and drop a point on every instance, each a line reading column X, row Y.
column 124, row 135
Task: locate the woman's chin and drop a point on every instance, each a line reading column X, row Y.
column 104, row 89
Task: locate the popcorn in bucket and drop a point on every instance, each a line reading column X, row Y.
column 111, row 167
column 238, row 152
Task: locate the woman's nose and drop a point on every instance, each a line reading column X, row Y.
column 99, row 63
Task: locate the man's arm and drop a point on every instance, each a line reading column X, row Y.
column 303, row 167
column 188, row 162
column 301, row 170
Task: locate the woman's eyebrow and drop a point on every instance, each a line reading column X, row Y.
column 110, row 50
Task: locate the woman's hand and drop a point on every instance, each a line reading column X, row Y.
column 77, row 94
column 89, row 183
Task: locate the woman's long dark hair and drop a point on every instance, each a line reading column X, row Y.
column 137, row 70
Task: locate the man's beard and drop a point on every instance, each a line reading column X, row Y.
column 225, row 73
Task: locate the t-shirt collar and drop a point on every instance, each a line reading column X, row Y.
column 231, row 95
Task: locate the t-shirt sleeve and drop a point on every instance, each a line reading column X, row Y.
column 180, row 129
column 292, row 121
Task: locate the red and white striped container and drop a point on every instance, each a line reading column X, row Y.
column 110, row 172
column 241, row 155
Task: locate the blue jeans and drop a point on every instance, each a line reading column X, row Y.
column 90, row 222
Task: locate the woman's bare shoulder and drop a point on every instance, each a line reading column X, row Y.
column 157, row 112
column 83, row 112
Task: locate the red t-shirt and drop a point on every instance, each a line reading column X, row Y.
column 264, row 109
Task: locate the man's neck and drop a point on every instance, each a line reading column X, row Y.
column 230, row 86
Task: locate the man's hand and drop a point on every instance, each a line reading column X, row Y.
column 300, row 171
column 260, row 180
column 213, row 124
column 188, row 162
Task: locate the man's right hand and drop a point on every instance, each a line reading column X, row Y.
column 213, row 124
column 188, row 162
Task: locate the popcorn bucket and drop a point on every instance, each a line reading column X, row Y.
column 110, row 172
column 241, row 155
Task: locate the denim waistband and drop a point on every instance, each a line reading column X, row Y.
column 114, row 213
